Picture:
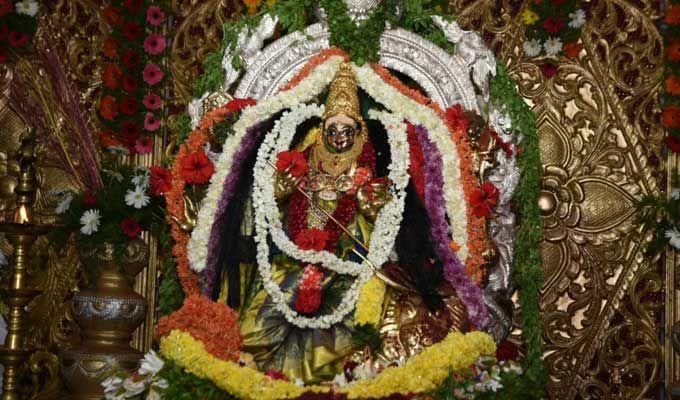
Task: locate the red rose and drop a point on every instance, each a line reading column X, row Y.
column 483, row 200
column 132, row 30
column 506, row 351
column 89, row 198
column 111, row 48
column 111, row 76
column 129, row 105
column 276, row 375
column 293, row 161
column 18, row 39
column 130, row 83
column 548, row 69
column 553, row 25
column 673, row 144
column 133, row 6
column 197, row 168
column 455, row 116
column 6, row 7
column 161, row 180
column 131, row 58
column 237, row 105
column 113, row 16
column 130, row 227
column 312, row 239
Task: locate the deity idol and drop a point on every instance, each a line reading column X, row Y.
column 330, row 186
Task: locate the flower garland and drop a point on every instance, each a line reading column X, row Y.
column 17, row 26
column 268, row 222
column 369, row 305
column 553, row 26
column 125, row 52
column 454, row 272
column 671, row 111
column 316, row 82
column 420, row 374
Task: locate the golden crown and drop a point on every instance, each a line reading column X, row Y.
column 343, row 97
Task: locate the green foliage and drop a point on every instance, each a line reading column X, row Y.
column 186, row 386
column 528, row 273
column 170, row 293
column 213, row 75
column 367, row 335
column 183, row 127
column 659, row 214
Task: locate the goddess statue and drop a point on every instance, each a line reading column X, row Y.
column 329, row 188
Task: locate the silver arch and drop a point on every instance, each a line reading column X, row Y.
column 444, row 77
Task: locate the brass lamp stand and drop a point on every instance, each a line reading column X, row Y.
column 21, row 233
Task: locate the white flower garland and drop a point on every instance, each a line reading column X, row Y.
column 312, row 85
column 268, row 222
column 416, row 113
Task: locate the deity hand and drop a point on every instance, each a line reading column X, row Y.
column 373, row 197
column 286, row 182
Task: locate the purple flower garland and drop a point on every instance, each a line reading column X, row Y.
column 246, row 147
column 454, row 271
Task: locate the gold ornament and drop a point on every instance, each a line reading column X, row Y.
column 343, row 96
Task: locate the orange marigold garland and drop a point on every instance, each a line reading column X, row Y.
column 214, row 324
column 312, row 64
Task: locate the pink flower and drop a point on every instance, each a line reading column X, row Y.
column 151, row 123
column 155, row 16
column 154, row 44
column 152, row 74
column 152, row 101
column 144, row 145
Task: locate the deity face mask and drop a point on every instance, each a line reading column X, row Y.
column 340, row 132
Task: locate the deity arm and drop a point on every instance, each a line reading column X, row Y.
column 285, row 183
column 372, row 198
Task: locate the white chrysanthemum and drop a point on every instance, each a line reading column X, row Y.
column 577, row 19
column 141, row 180
column 673, row 237
column 675, row 194
column 136, row 198
column 64, row 204
column 112, row 384
column 552, row 46
column 27, row 7
column 532, row 47
column 90, row 222
column 151, row 364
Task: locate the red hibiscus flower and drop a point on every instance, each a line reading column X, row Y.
column 152, row 101
column 155, row 16
column 131, row 58
column 133, row 6
column 276, row 375
column 197, row 168
column 673, row 144
column 553, row 25
column 111, row 48
column 132, row 30
column 312, row 239
column 18, row 39
column 129, row 105
column 113, row 16
column 111, row 76
column 506, row 351
column 161, row 180
column 89, row 198
column 293, row 161
column 152, row 74
column 548, row 69
column 671, row 117
column 154, row 44
column 130, row 227
column 108, row 108
column 455, row 116
column 6, row 7
column 130, row 83
column 237, row 105
column 484, row 200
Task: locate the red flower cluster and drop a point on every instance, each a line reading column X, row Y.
column 484, row 199
column 161, row 180
column 312, row 239
column 276, row 375
column 214, row 324
column 671, row 112
column 130, row 227
column 126, row 116
column 455, row 116
column 308, row 297
column 553, row 25
column 292, row 161
column 197, row 168
column 18, row 36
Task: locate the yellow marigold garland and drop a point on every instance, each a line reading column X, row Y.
column 421, row 373
column 369, row 306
